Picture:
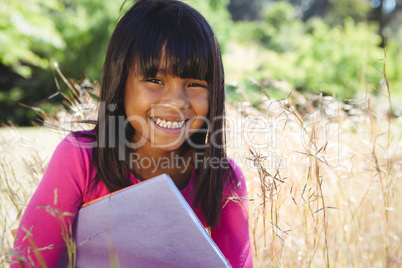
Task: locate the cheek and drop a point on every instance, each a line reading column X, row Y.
column 138, row 102
column 202, row 104
column 129, row 105
column 201, row 109
column 135, row 110
column 204, row 109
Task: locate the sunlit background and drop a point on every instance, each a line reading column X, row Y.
column 331, row 46
column 322, row 78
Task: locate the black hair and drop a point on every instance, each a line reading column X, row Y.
column 152, row 31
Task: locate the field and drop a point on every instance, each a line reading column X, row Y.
column 327, row 190
column 323, row 179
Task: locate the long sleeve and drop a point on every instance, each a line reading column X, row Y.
column 232, row 233
column 50, row 213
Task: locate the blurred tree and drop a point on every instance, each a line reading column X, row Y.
column 341, row 9
column 72, row 32
column 330, row 46
column 316, row 57
column 333, row 11
column 217, row 14
column 386, row 12
column 28, row 34
column 310, row 8
column 27, row 37
column 394, row 21
column 279, row 29
column 383, row 12
column 86, row 26
column 245, row 9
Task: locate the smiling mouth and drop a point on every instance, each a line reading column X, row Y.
column 168, row 124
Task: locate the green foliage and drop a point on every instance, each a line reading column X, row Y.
column 245, row 9
column 216, row 13
column 340, row 60
column 341, row 9
column 281, row 29
column 337, row 53
column 73, row 32
column 86, row 26
column 28, row 34
column 393, row 63
column 314, row 57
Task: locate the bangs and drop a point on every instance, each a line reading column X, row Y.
column 171, row 42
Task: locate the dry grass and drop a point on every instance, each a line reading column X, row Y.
column 24, row 154
column 334, row 199
column 326, row 190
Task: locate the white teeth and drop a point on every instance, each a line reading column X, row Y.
column 169, row 124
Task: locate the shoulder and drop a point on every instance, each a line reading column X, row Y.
column 80, row 142
column 80, row 139
column 236, row 168
column 71, row 163
column 74, row 150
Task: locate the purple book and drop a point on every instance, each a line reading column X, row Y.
column 147, row 225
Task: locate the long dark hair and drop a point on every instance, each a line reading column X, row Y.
column 150, row 30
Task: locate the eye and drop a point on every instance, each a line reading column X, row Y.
column 197, row 85
column 155, row 81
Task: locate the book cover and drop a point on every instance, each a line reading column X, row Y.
column 146, row 225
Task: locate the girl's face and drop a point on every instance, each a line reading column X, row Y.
column 165, row 110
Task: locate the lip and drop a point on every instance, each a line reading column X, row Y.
column 170, row 130
column 170, row 117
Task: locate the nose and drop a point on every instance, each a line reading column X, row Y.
column 177, row 96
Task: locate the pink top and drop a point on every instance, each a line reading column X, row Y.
column 61, row 192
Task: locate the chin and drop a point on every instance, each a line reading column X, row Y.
column 168, row 147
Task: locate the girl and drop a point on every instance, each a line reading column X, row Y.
column 161, row 101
